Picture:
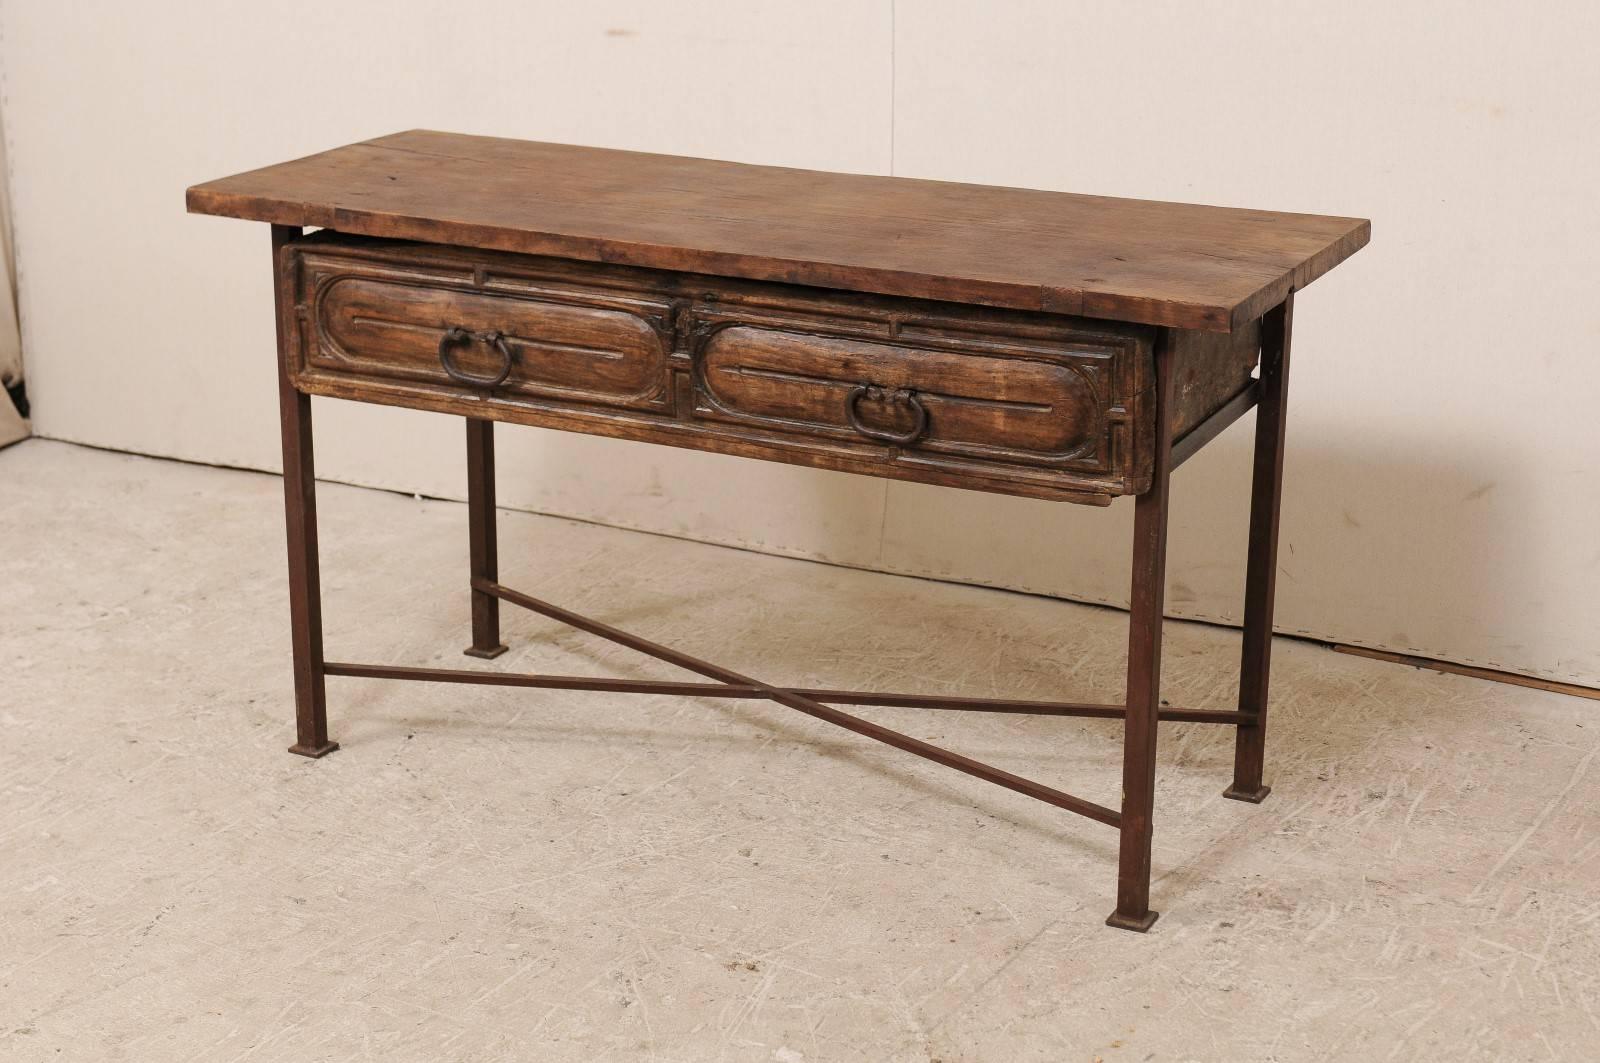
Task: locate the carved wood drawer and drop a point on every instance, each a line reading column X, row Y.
column 460, row 324
column 1024, row 403
column 956, row 392
column 521, row 345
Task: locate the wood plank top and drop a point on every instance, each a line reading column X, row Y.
column 1175, row 264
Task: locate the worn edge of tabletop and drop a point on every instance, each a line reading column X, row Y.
column 214, row 198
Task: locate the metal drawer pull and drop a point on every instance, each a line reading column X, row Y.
column 460, row 336
column 876, row 394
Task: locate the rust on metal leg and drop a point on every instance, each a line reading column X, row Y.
column 1261, row 569
column 481, row 534
column 300, row 519
column 1144, row 668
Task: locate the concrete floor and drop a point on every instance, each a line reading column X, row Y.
column 492, row 874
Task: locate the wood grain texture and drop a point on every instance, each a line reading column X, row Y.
column 1172, row 264
column 1035, row 404
column 1029, row 408
column 391, row 327
column 1208, row 369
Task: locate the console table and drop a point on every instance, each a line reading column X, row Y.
column 1058, row 346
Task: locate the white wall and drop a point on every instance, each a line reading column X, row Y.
column 1442, row 490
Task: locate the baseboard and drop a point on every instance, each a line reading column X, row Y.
column 1492, row 674
column 1434, row 664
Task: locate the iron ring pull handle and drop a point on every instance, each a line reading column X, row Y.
column 460, row 336
column 873, row 391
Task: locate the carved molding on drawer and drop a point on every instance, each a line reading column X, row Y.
column 1036, row 404
column 999, row 399
column 390, row 327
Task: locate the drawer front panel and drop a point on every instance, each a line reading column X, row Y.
column 1018, row 408
column 389, row 327
column 1043, row 405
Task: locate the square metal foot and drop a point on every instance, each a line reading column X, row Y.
column 488, row 655
column 314, row 752
column 1138, row 924
column 1255, row 797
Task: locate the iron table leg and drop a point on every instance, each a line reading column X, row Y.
column 300, row 518
column 1262, row 567
column 481, row 533
column 1144, row 669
